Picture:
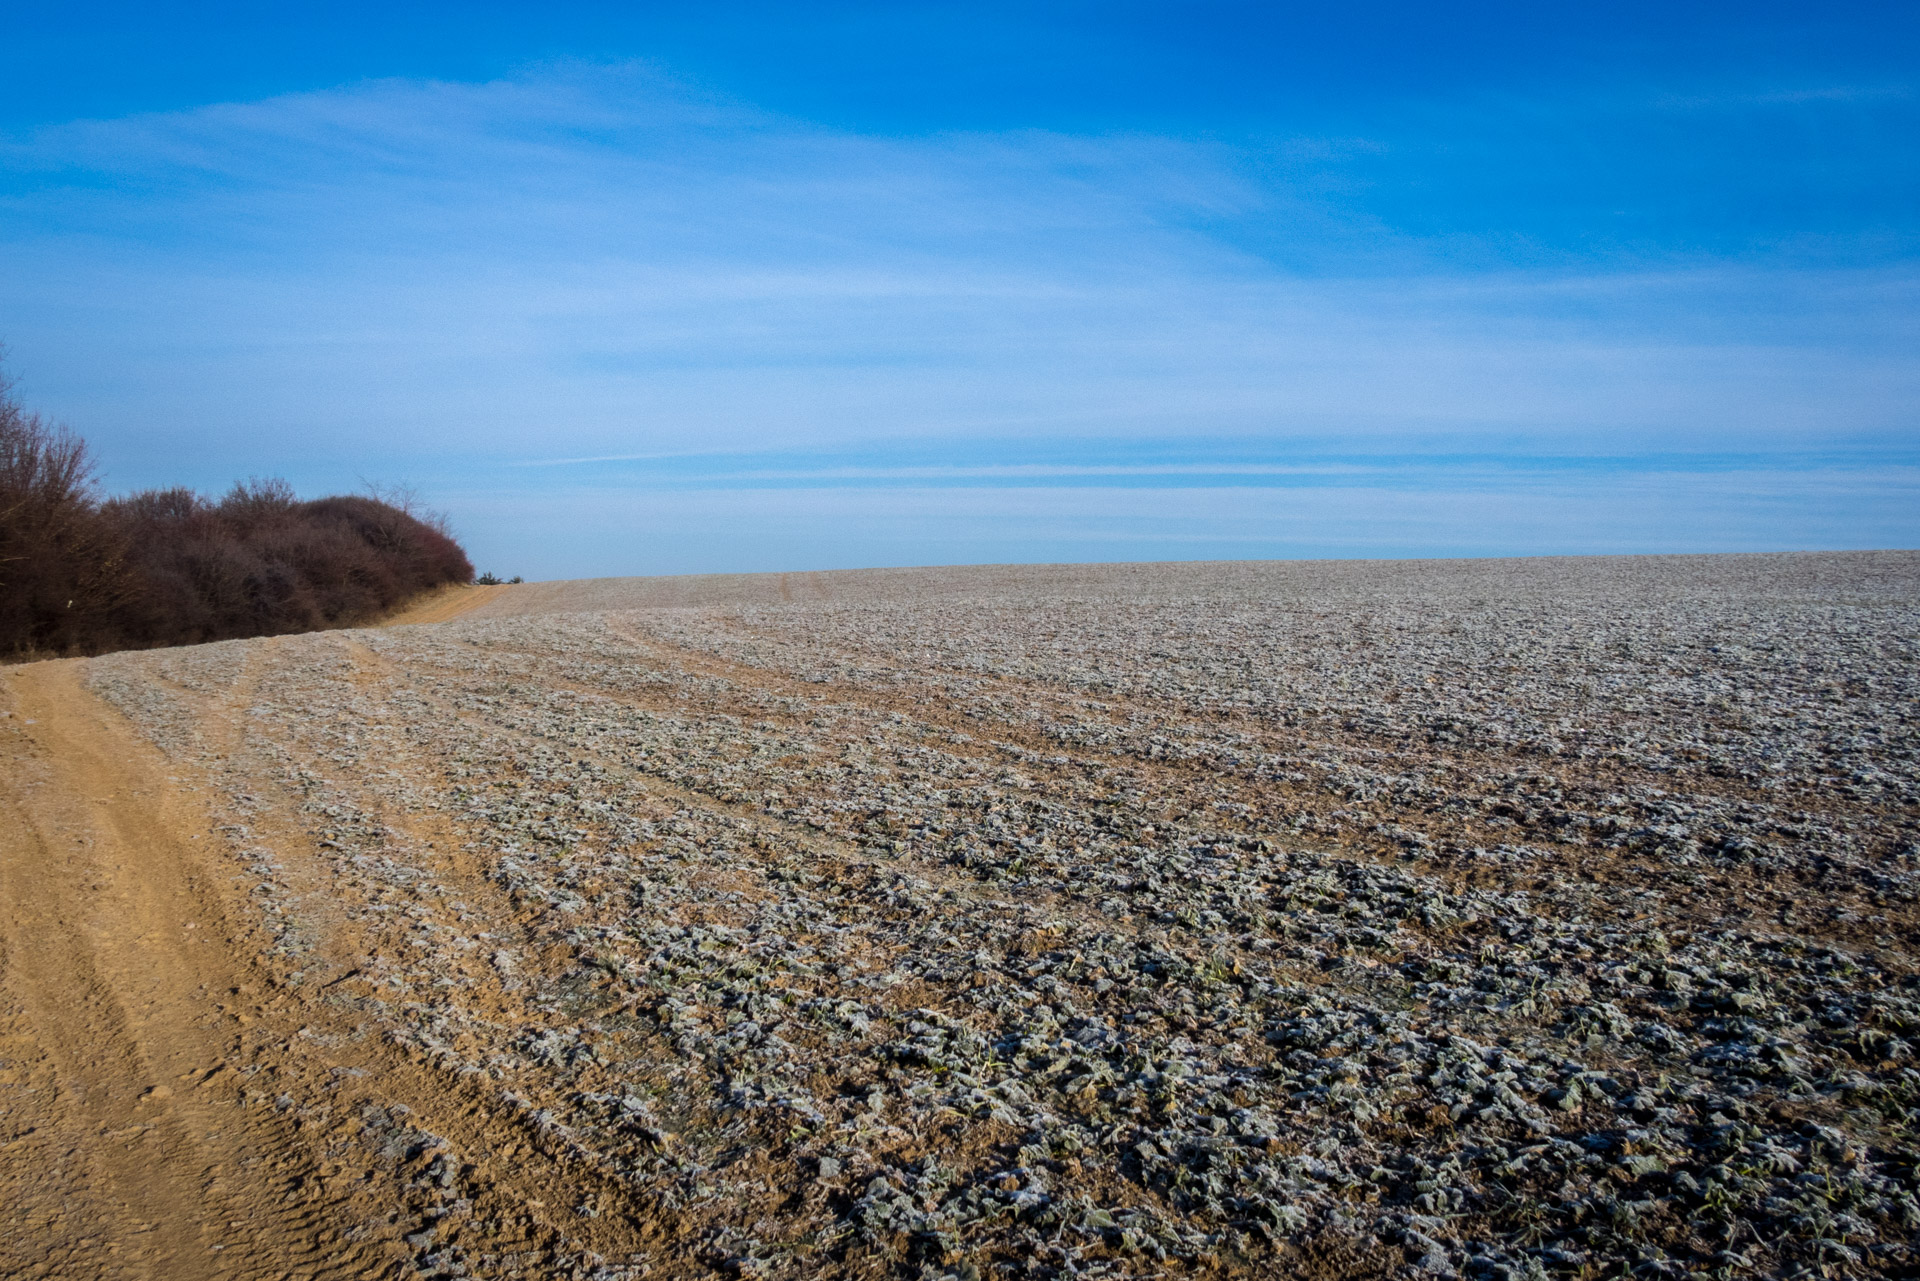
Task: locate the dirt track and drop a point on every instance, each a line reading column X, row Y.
column 149, row 1066
column 120, row 982
column 446, row 605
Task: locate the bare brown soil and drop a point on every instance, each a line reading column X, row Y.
column 446, row 604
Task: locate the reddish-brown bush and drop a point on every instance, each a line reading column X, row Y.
column 168, row 567
column 261, row 562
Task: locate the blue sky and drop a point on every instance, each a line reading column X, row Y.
column 666, row 288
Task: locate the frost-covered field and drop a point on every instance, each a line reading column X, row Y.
column 1493, row 919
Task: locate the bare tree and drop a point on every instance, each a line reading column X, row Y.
column 63, row 568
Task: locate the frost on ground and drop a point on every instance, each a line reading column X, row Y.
column 1502, row 920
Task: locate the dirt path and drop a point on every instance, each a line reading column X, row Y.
column 127, row 1152
column 166, row 1110
column 446, row 604
column 163, row 1111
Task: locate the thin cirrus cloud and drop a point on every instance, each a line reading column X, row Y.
column 596, row 288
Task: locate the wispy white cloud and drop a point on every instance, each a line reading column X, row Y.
column 1894, row 91
column 594, row 263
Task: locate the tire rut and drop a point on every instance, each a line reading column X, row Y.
column 114, row 948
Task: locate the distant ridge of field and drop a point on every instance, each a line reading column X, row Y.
column 1869, row 573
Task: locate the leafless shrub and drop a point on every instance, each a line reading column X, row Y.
column 261, row 562
column 63, row 568
column 169, row 567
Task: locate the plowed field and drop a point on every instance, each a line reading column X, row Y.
column 1502, row 919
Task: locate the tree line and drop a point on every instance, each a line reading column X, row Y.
column 81, row 575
